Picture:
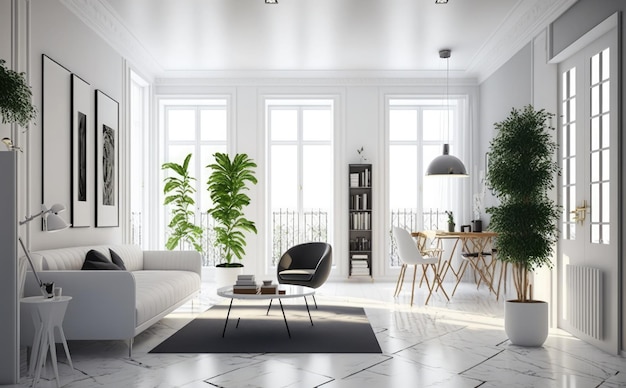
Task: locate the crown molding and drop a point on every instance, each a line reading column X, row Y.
column 520, row 27
column 316, row 78
column 106, row 23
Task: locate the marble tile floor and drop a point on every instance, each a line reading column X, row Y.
column 445, row 344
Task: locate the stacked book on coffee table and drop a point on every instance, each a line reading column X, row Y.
column 245, row 285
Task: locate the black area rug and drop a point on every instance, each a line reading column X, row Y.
column 336, row 329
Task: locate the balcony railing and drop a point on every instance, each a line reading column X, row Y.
column 290, row 227
column 412, row 220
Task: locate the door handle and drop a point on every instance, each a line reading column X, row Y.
column 580, row 213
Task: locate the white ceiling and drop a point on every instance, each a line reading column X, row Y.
column 184, row 37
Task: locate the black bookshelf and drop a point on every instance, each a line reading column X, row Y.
column 360, row 220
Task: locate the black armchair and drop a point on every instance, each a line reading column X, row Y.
column 306, row 264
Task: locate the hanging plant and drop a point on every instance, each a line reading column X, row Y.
column 178, row 190
column 15, row 97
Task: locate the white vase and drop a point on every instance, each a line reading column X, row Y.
column 226, row 276
column 526, row 324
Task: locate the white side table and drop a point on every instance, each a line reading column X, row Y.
column 48, row 314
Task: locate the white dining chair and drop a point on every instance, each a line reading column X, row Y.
column 410, row 255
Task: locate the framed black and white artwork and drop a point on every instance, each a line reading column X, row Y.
column 82, row 155
column 107, row 161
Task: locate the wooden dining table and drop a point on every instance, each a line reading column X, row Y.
column 476, row 251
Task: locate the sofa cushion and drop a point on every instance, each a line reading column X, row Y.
column 117, row 260
column 158, row 290
column 96, row 260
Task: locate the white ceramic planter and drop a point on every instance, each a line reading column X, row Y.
column 526, row 324
column 226, row 276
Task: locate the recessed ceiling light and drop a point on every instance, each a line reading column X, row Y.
column 271, row 1
column 438, row 1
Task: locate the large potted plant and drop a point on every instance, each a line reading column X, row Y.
column 178, row 192
column 227, row 186
column 521, row 172
column 15, row 97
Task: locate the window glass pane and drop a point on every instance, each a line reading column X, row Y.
column 564, row 86
column 436, row 124
column 595, row 233
column 572, row 110
column 595, row 203
column 606, row 127
column 606, row 62
column 316, row 177
column 606, row 202
column 606, row 165
column 606, row 234
column 317, row 124
column 572, row 139
column 284, row 179
column 213, row 124
column 572, row 172
column 403, row 176
column 181, row 124
column 402, row 124
column 595, row 166
column 572, row 82
column 284, row 124
column 434, row 189
column 606, row 96
column 595, row 69
column 595, row 133
column 595, row 100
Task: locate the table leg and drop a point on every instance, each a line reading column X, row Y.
column 36, row 348
column 284, row 317
column 227, row 315
column 308, row 311
column 53, row 352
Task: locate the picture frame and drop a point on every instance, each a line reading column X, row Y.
column 82, row 160
column 107, row 161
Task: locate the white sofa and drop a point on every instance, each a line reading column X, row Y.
column 116, row 305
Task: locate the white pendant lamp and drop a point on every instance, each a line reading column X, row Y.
column 446, row 164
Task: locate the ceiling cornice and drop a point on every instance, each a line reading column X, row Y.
column 520, row 27
column 310, row 78
column 106, row 23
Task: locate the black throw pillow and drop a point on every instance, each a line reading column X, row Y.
column 117, row 260
column 96, row 260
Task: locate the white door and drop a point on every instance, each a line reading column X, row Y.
column 588, row 143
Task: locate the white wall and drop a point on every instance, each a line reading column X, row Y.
column 509, row 87
column 59, row 34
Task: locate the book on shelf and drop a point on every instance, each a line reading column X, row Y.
column 360, row 271
column 360, row 256
column 354, row 179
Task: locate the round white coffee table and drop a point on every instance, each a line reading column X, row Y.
column 284, row 291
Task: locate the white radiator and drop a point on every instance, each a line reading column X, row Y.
column 584, row 292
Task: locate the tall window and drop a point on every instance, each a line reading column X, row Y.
column 417, row 130
column 300, row 167
column 139, row 98
column 199, row 127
